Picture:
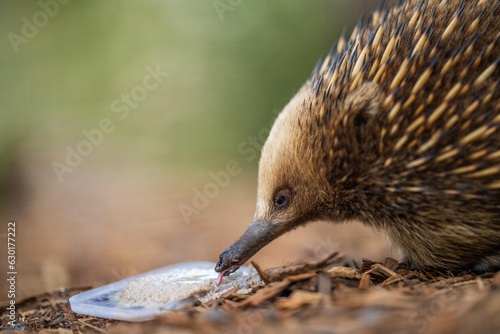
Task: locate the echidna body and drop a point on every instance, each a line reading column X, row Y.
column 398, row 128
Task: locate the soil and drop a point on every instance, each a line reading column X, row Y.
column 314, row 297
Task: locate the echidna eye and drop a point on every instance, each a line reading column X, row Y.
column 282, row 199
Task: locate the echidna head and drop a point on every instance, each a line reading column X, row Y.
column 288, row 187
column 295, row 170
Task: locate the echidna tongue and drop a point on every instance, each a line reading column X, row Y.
column 257, row 235
column 219, row 278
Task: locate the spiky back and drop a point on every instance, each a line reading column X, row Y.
column 437, row 66
column 430, row 151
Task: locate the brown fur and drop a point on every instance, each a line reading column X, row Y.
column 399, row 128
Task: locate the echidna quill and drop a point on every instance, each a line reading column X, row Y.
column 398, row 128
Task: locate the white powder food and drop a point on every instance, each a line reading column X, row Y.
column 176, row 285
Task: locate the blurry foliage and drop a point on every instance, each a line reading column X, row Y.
column 225, row 76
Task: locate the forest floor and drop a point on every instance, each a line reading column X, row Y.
column 314, row 297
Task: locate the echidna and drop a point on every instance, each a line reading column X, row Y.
column 398, row 128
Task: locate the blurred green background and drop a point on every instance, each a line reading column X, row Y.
column 232, row 65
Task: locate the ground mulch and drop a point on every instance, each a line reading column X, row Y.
column 315, row 297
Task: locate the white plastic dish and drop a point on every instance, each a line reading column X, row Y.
column 142, row 297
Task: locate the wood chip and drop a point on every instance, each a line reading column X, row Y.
column 301, row 277
column 391, row 264
column 262, row 274
column 265, row 293
column 344, row 272
column 385, row 271
column 390, row 276
column 392, row 280
column 299, row 298
column 279, row 273
column 365, row 281
column 367, row 265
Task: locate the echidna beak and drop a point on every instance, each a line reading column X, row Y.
column 257, row 235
